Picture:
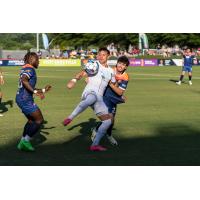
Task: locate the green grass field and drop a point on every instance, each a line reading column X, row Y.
column 158, row 125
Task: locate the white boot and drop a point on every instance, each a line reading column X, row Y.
column 112, row 140
column 178, row 83
column 190, row 82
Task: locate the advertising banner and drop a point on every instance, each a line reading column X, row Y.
column 60, row 62
column 165, row 62
column 178, row 62
column 135, row 62
column 150, row 62
column 112, row 62
column 11, row 63
column 143, row 62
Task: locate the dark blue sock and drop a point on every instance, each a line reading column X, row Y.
column 26, row 128
column 109, row 131
column 33, row 129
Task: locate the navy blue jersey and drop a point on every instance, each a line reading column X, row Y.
column 122, row 82
column 23, row 94
column 188, row 60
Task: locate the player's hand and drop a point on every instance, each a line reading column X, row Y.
column 124, row 98
column 47, row 88
column 2, row 81
column 71, row 84
column 40, row 94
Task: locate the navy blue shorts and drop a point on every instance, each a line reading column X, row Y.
column 112, row 107
column 187, row 69
column 27, row 107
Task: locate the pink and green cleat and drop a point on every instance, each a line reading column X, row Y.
column 97, row 148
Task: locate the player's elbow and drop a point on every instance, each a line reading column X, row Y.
column 120, row 92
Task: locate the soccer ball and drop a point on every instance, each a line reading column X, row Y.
column 91, row 67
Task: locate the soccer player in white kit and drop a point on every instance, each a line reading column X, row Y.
column 92, row 96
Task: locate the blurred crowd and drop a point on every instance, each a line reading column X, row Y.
column 115, row 50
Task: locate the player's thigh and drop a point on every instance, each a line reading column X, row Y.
column 37, row 116
column 101, row 111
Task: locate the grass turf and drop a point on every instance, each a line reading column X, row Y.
column 158, row 125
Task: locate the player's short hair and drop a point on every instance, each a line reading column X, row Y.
column 28, row 57
column 104, row 49
column 124, row 60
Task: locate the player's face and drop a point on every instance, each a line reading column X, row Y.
column 35, row 61
column 121, row 66
column 188, row 52
column 102, row 57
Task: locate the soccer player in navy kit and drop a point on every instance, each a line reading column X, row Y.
column 114, row 94
column 25, row 101
column 187, row 66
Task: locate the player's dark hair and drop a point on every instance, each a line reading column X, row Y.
column 28, row 57
column 124, row 60
column 104, row 49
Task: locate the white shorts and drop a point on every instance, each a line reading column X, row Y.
column 99, row 106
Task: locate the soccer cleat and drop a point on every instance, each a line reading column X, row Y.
column 93, row 134
column 67, row 121
column 20, row 145
column 178, row 83
column 1, row 115
column 190, row 82
column 25, row 146
column 97, row 148
column 112, row 140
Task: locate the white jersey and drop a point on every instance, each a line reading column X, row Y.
column 99, row 82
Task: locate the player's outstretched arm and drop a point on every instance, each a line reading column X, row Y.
column 116, row 89
column 71, row 84
column 1, row 78
column 47, row 88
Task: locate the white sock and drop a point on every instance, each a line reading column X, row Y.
column 27, row 138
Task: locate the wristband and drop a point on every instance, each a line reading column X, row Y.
column 35, row 91
column 43, row 90
column 74, row 80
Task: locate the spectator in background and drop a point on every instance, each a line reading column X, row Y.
column 53, row 56
column 8, row 57
column 39, row 53
column 65, row 54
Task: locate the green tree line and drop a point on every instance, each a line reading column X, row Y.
column 14, row 41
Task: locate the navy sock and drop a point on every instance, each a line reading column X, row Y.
column 26, row 128
column 33, row 129
column 181, row 77
column 109, row 131
column 0, row 100
column 98, row 125
column 190, row 78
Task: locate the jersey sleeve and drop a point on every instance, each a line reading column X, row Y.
column 123, row 84
column 124, row 81
column 28, row 72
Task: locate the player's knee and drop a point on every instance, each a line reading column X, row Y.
column 39, row 121
column 90, row 99
column 107, row 123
